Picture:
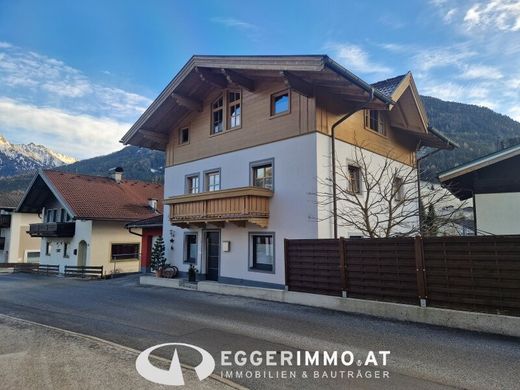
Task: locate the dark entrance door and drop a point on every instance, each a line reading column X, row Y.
column 212, row 255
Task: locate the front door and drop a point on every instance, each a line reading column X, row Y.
column 212, row 255
column 82, row 254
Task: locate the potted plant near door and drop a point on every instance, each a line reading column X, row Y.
column 158, row 260
column 192, row 273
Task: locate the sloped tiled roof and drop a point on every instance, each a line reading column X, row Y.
column 102, row 198
column 10, row 200
column 388, row 86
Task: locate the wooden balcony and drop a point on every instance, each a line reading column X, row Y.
column 237, row 205
column 52, row 229
column 5, row 221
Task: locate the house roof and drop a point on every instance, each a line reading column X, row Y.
column 10, row 200
column 155, row 221
column 388, row 86
column 189, row 87
column 479, row 163
column 93, row 197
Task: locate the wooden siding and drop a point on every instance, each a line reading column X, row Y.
column 257, row 128
column 353, row 131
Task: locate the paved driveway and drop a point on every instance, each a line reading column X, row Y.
column 139, row 317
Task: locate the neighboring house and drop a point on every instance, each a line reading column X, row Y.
column 493, row 181
column 457, row 214
column 151, row 229
column 247, row 139
column 84, row 218
column 15, row 245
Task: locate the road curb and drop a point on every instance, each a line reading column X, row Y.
column 115, row 345
column 466, row 320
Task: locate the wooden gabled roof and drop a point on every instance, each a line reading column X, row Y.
column 187, row 90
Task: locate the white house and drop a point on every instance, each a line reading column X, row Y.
column 493, row 182
column 15, row 245
column 248, row 143
column 85, row 217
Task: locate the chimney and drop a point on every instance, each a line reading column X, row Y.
column 152, row 203
column 116, row 174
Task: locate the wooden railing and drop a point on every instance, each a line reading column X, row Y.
column 238, row 205
column 52, row 229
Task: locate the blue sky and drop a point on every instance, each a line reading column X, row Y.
column 74, row 75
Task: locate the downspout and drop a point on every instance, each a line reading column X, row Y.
column 333, row 152
column 134, row 233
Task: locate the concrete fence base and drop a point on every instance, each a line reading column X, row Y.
column 480, row 322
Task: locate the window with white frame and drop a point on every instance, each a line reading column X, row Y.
column 261, row 251
column 234, row 109
column 193, row 184
column 398, row 189
column 212, row 180
column 354, row 179
column 217, row 116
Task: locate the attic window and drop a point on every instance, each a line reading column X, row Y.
column 280, row 103
column 234, row 109
column 374, row 120
column 184, row 136
column 217, row 116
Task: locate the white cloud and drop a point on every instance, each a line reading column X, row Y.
column 501, row 14
column 354, row 58
column 77, row 135
column 232, row 22
column 438, row 57
column 39, row 78
column 481, row 72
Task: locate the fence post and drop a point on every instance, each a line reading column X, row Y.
column 286, row 261
column 343, row 265
column 420, row 270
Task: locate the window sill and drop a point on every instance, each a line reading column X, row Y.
column 376, row 132
column 264, row 271
column 280, row 114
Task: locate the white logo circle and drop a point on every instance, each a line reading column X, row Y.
column 173, row 376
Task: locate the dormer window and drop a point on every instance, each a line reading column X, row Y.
column 234, row 109
column 374, row 120
column 217, row 116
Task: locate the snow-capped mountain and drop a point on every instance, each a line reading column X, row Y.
column 20, row 158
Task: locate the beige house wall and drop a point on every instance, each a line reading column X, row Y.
column 20, row 242
column 104, row 234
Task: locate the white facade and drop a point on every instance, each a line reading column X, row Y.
column 498, row 213
column 298, row 163
column 95, row 238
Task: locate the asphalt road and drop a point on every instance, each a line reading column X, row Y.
column 121, row 311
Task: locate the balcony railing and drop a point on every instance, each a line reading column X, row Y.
column 5, row 220
column 52, row 229
column 2, row 243
column 237, row 205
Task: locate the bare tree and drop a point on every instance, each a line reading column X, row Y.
column 379, row 197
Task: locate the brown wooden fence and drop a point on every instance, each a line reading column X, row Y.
column 467, row 273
